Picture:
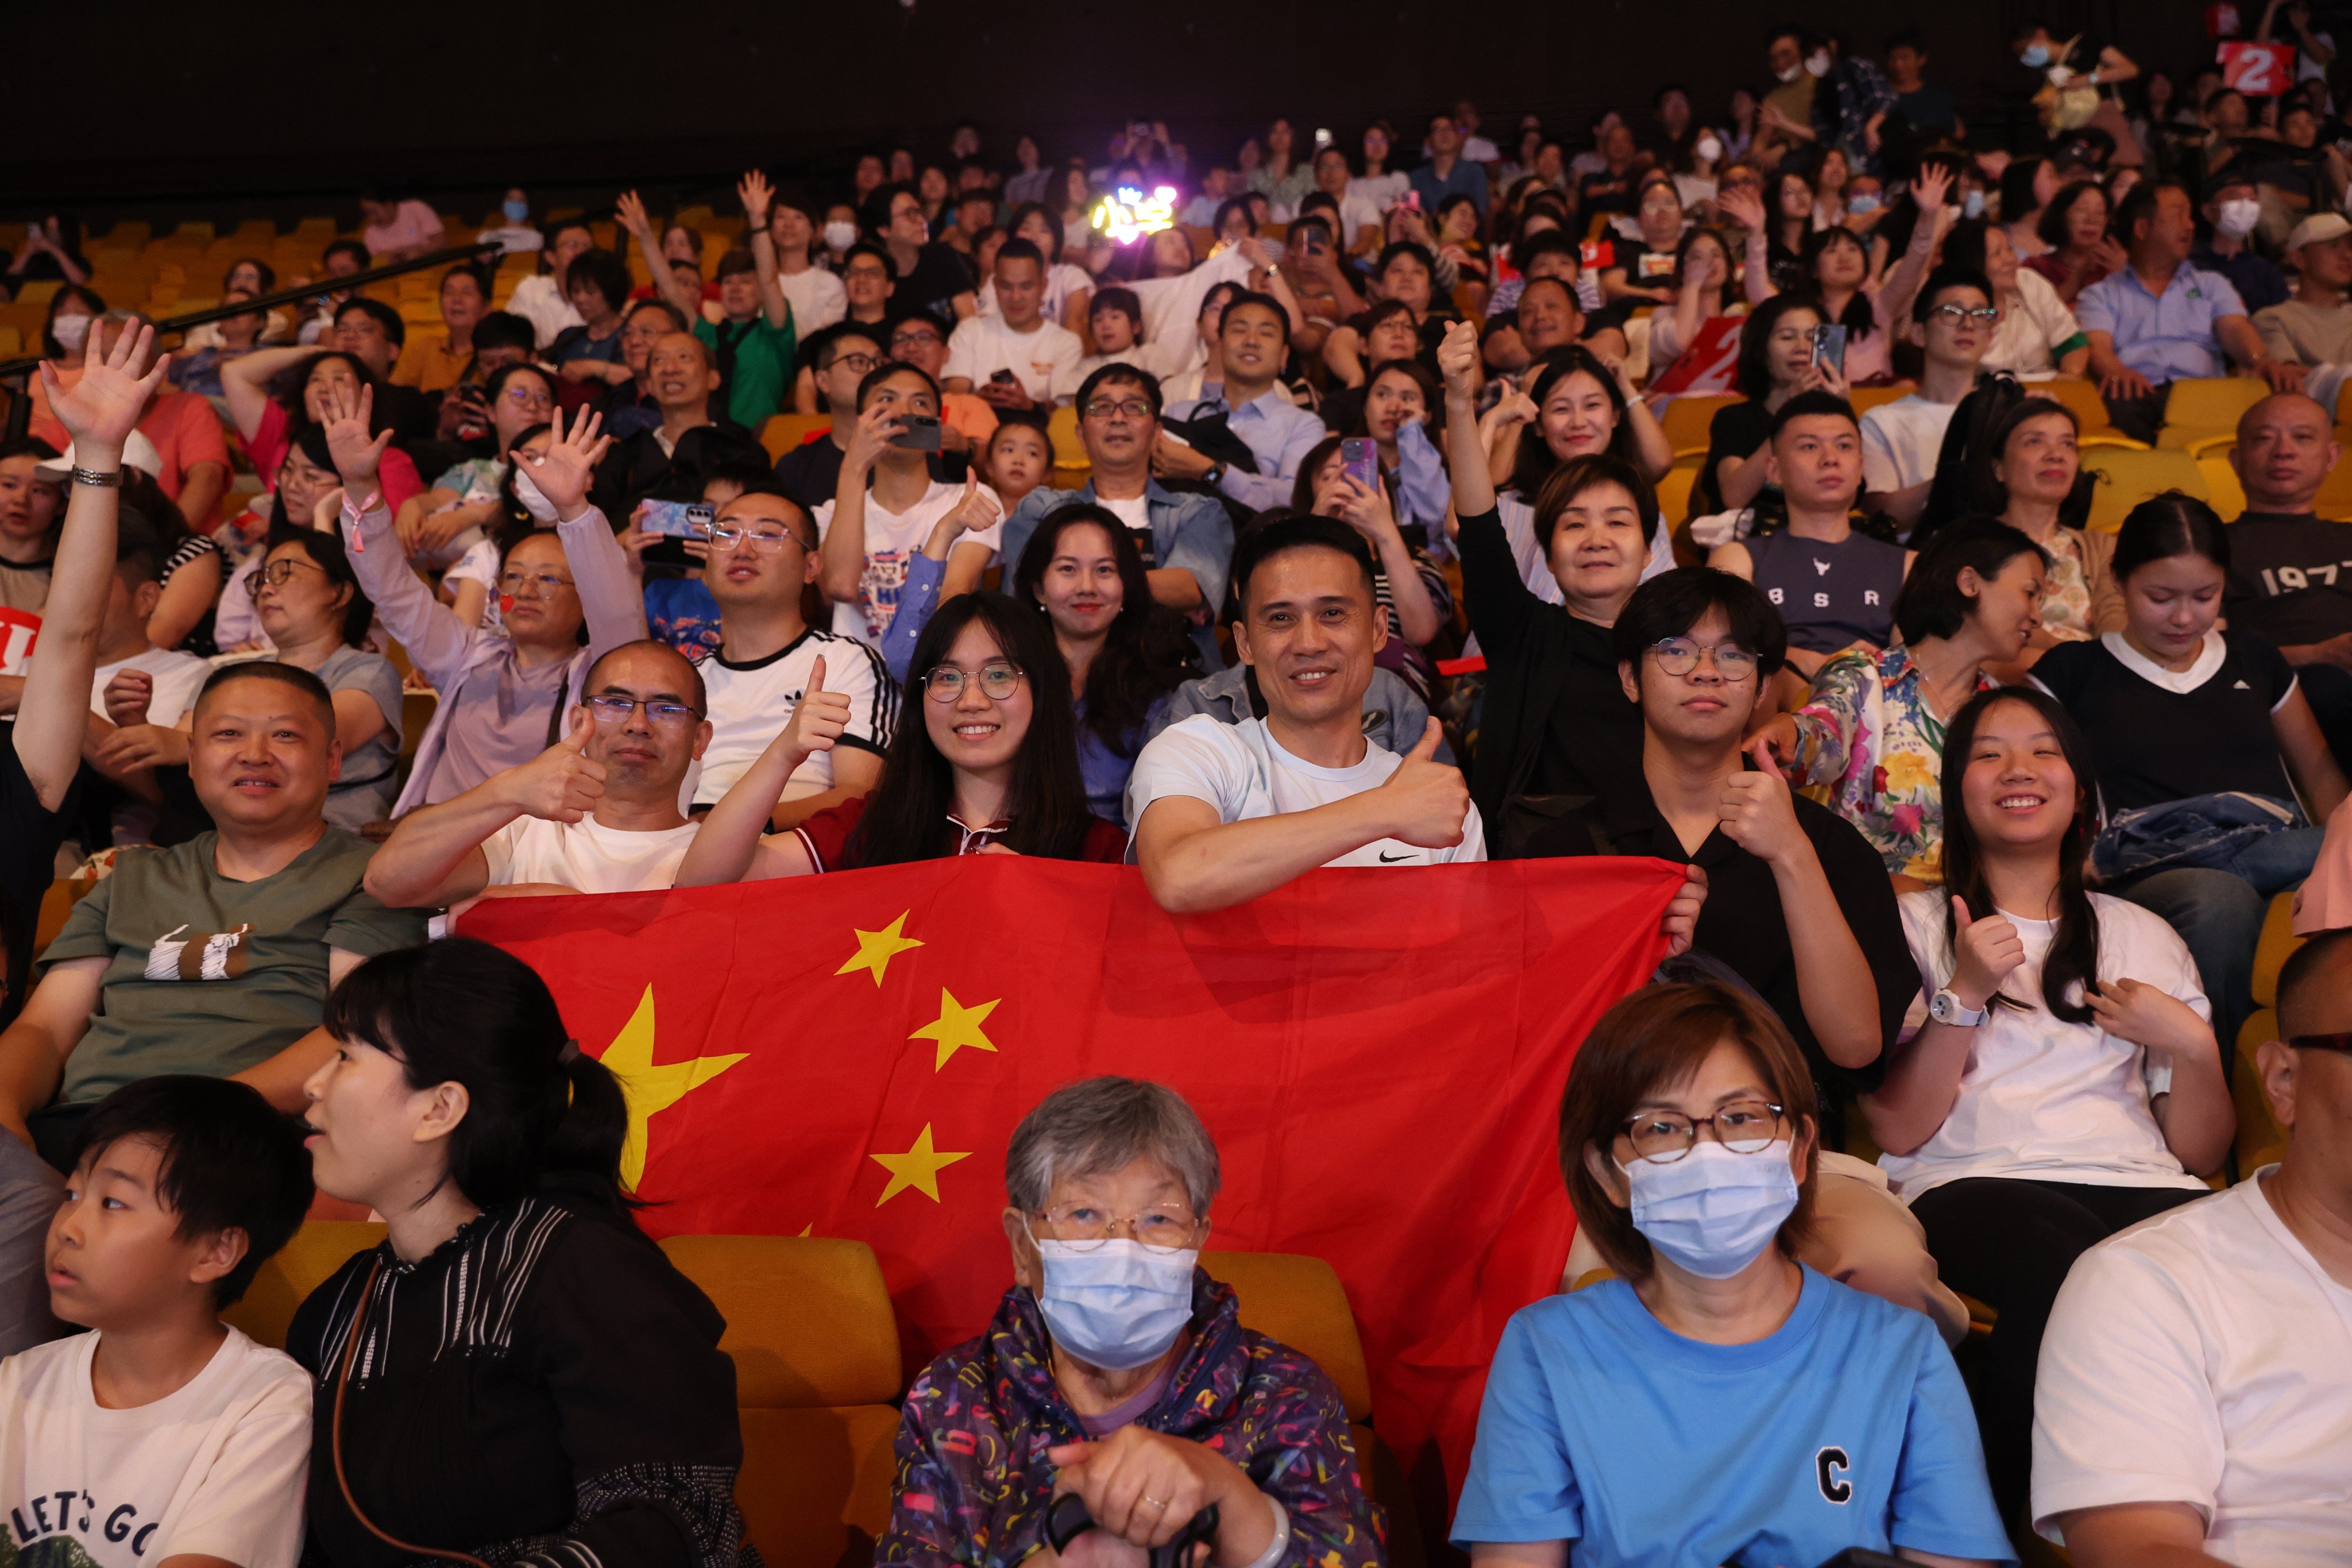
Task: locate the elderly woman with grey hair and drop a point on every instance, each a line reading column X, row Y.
column 1118, row 1370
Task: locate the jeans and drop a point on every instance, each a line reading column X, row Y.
column 30, row 1191
column 2329, row 688
column 2220, row 915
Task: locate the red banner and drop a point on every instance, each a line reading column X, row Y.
column 2258, row 70
column 1710, row 367
column 1379, row 1055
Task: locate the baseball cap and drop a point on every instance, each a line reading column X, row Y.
column 2318, row 229
column 138, row 451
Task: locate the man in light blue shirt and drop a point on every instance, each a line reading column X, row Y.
column 2159, row 320
column 1253, row 340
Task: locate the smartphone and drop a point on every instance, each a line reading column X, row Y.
column 1359, row 460
column 679, row 519
column 1829, row 345
column 1001, row 378
column 920, row 432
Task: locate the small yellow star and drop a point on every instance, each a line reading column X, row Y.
column 956, row 1028
column 647, row 1087
column 876, row 948
column 919, row 1168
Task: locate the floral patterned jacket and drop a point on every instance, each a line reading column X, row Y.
column 973, row 1478
column 1866, row 733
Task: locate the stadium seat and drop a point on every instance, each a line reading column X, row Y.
column 2081, row 396
column 2127, row 478
column 286, row 1282
column 1675, row 494
column 2334, row 500
column 2201, row 406
column 2227, row 495
column 1866, row 398
column 1687, row 421
column 1069, row 452
column 816, row 1365
column 2278, row 942
column 39, row 291
column 783, row 432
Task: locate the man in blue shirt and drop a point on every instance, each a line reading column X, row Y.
column 1447, row 173
column 1253, row 340
column 2161, row 319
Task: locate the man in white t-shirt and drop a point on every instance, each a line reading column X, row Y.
column 2194, row 1398
column 123, row 642
column 1224, row 813
column 864, row 560
column 595, row 813
column 1015, row 358
column 162, row 1435
column 763, row 552
column 1953, row 321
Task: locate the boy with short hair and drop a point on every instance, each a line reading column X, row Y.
column 162, row 1432
column 1115, row 321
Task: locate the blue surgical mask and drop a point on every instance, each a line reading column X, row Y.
column 2036, row 55
column 1865, row 202
column 516, row 211
column 1972, row 204
column 1115, row 1304
column 1714, row 1210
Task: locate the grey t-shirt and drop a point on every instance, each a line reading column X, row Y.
column 364, row 795
column 2306, row 334
column 500, row 720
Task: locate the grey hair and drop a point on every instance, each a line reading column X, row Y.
column 1101, row 1125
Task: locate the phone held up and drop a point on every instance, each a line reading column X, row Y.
column 1359, row 460
column 1829, row 345
column 679, row 519
column 917, row 432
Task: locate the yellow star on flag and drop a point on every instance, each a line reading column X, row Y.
column 956, row 1028
column 876, row 948
column 650, row 1088
column 919, row 1168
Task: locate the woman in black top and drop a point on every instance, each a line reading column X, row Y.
column 529, row 1381
column 2203, row 742
column 1776, row 363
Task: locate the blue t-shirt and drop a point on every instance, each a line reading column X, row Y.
column 1846, row 1427
column 680, row 611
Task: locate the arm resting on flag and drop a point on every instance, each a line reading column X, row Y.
column 1194, row 862
column 733, row 844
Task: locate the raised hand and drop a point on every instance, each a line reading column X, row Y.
column 101, row 409
column 977, row 512
column 1365, row 510
column 1427, row 801
column 1744, row 208
column 571, row 462
column 560, row 784
column 631, row 210
column 875, row 426
column 818, row 718
column 1757, row 813
column 348, row 415
column 1929, row 189
column 1985, row 952
column 1457, row 360
column 754, row 192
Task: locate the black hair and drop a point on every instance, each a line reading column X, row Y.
column 1125, row 375
column 830, row 349
column 2074, row 956
column 1812, row 404
column 556, row 231
column 395, row 330
column 292, row 675
column 326, row 552
column 604, row 272
column 1950, row 275
column 1578, row 475
column 885, row 371
column 1147, row 651
column 1052, row 226
column 905, row 818
column 507, row 372
column 2051, row 227
column 1242, row 297
column 81, row 294
column 1859, row 318
column 539, row 1108
column 504, row 330
column 1406, row 248
column 1931, row 603
column 1546, row 242
column 1227, row 207
column 1432, row 396
column 468, row 269
column 287, row 386
column 1018, row 249
column 266, row 273
column 874, row 212
column 1278, row 535
column 2304, row 968
column 515, row 522
column 1536, row 462
column 734, row 261
column 228, row 1160
column 1314, row 221
column 1124, row 300
column 1976, row 442
column 1754, row 373
column 351, row 247
column 138, row 551
column 143, row 498
column 639, row 306
column 2140, row 201
column 1669, row 604
column 2167, row 525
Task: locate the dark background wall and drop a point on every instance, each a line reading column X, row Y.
column 269, row 102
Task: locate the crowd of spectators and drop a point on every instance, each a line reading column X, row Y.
column 1322, row 527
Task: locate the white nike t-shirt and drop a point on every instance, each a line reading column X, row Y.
column 1243, row 772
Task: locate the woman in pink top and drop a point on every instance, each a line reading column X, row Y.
column 1837, row 272
column 271, row 399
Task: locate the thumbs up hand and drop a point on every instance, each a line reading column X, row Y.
column 1757, row 812
column 1427, row 801
column 562, row 784
column 818, row 718
column 1986, row 951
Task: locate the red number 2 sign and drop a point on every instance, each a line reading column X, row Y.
column 2258, row 70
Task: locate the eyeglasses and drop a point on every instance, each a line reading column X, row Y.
column 1744, row 1127
column 999, row 678
column 278, row 572
column 661, row 715
column 1680, row 655
column 769, row 539
column 905, row 340
column 1982, row 315
column 862, row 363
column 1167, row 1227
column 2321, row 1042
column 546, row 583
column 529, row 397
column 1126, row 408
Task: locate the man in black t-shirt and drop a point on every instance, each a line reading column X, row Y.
column 811, row 472
column 932, row 277
column 2290, row 571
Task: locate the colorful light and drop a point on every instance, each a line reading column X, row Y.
column 1128, row 214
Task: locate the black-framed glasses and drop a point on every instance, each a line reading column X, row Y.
column 999, row 678
column 2321, row 1042
column 661, row 715
column 1680, row 655
column 905, row 340
column 769, row 539
column 862, row 363
column 1982, row 315
column 278, row 573
column 1126, row 407
column 1744, row 1127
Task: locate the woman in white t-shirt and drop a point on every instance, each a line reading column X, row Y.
column 1068, row 289
column 2037, row 334
column 818, row 299
column 2063, row 1082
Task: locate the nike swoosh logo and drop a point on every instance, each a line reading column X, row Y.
column 1393, row 859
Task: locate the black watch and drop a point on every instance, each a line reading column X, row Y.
column 1215, row 476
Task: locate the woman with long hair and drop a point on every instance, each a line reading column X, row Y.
column 1834, row 269
column 985, row 762
column 2063, row 1081
column 517, row 1368
column 2037, row 331
column 1777, row 362
column 1701, row 290
column 1407, row 587
column 272, row 394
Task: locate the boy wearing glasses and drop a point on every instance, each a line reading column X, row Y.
column 846, row 355
column 1952, row 320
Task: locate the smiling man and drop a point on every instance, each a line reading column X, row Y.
column 1952, row 320
column 1225, row 812
column 214, row 957
column 1253, row 340
column 670, row 462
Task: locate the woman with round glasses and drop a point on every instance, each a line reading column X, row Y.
column 1117, row 1370
column 992, row 768
column 1716, row 1401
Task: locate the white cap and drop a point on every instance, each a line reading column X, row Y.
column 138, row 451
column 2318, row 229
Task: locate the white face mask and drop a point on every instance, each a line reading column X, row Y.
column 1117, row 1304
column 2237, row 220
column 1972, row 204
column 2035, row 55
column 1818, row 62
column 1714, row 1210
column 1865, row 202
column 1708, row 148
column 1791, row 74
column 540, row 508
column 840, row 235
column 71, row 332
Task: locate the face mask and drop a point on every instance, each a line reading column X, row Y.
column 516, row 211
column 1708, row 148
column 2237, row 220
column 1818, row 62
column 1972, row 204
column 1714, row 1210
column 1118, row 1305
column 1867, row 202
column 534, row 503
column 2035, row 55
column 839, row 235
column 71, row 332
column 1791, row 74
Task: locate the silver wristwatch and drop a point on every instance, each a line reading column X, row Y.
column 1946, row 1007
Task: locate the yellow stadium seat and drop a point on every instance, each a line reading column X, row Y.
column 1062, row 430
column 2081, row 396
column 783, row 432
column 286, row 1282
column 1675, row 494
column 1688, row 420
column 196, row 233
column 12, row 342
column 1866, row 398
column 2334, row 500
column 2229, row 496
column 2127, row 478
column 2260, row 1140
column 2278, row 940
column 816, row 1364
column 2200, row 407
column 40, row 291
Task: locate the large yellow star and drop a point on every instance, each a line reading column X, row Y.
column 956, row 1028
column 649, row 1088
column 876, row 948
column 919, row 1168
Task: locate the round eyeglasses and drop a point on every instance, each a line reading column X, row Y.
column 999, row 679
column 1744, row 1127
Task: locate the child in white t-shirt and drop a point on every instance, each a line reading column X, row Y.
column 162, row 1432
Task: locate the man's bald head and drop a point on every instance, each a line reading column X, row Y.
column 648, row 658
column 2286, row 448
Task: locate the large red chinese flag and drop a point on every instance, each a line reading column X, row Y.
column 1378, row 1054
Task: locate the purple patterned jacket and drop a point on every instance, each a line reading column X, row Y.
column 973, row 1480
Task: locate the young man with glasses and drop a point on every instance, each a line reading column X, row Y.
column 1952, row 320
column 595, row 813
column 847, row 355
